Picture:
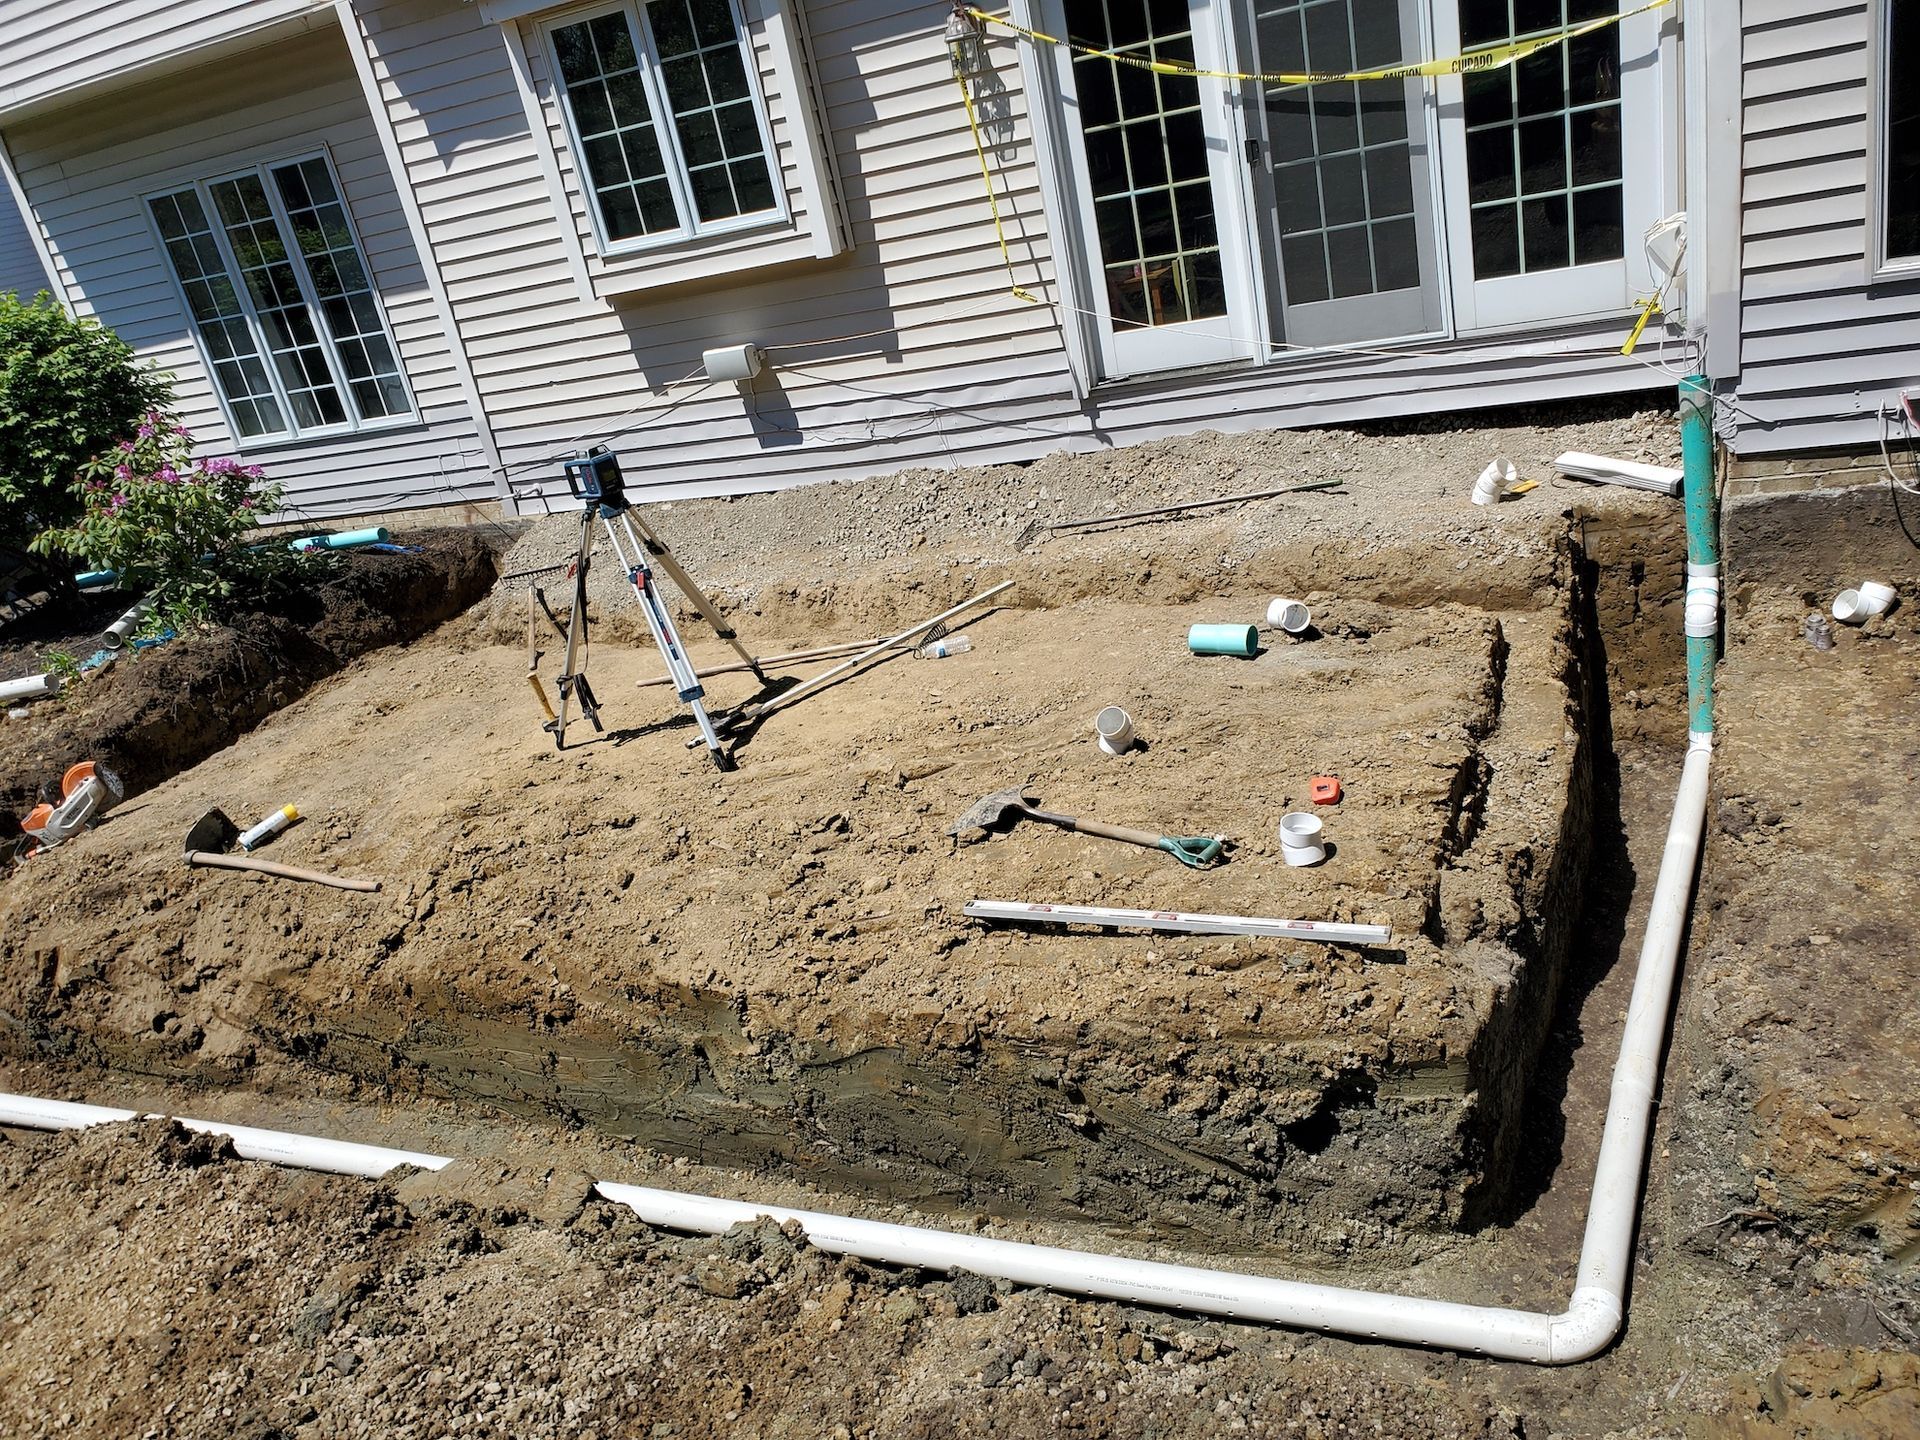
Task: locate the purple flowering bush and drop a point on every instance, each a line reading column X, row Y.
column 174, row 526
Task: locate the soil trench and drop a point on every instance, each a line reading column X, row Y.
column 769, row 969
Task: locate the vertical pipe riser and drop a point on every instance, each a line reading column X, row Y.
column 1703, row 551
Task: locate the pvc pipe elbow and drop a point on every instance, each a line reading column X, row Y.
column 1589, row 1325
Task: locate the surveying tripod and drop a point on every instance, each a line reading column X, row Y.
column 596, row 479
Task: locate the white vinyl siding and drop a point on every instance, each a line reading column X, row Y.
column 20, row 269
column 52, row 47
column 1823, row 343
column 909, row 351
column 86, row 170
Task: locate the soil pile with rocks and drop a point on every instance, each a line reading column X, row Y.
column 159, row 711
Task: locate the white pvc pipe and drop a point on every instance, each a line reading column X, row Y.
column 1586, row 1327
column 28, row 687
column 304, row 1152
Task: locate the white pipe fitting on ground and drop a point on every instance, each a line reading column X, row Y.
column 1857, row 606
column 1301, row 839
column 1292, row 616
column 1495, row 481
column 1113, row 728
column 1703, row 600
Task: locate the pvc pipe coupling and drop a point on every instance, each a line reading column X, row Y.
column 1703, row 601
column 1301, row 839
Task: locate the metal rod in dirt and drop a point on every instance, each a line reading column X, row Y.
column 1195, row 505
column 790, row 657
column 807, row 687
column 1325, row 932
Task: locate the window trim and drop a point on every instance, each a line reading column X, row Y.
column 692, row 230
column 293, row 433
column 1880, row 265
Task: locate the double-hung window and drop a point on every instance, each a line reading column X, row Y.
column 1899, row 179
column 666, row 120
column 282, row 303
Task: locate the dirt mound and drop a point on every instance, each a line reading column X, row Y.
column 162, row 1294
column 153, row 716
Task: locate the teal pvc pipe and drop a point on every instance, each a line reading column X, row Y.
column 94, row 579
column 1703, row 548
column 1224, row 639
column 344, row 540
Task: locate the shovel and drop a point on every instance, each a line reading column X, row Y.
column 1019, row 800
column 213, row 832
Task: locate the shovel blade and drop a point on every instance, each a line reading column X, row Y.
column 213, row 832
column 989, row 810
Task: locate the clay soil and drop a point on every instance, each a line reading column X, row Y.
column 758, row 983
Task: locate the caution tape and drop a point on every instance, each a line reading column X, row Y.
column 993, row 200
column 1491, row 57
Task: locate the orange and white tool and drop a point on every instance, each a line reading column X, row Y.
column 87, row 791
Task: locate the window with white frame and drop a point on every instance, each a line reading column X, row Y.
column 282, row 303
column 1900, row 156
column 666, row 119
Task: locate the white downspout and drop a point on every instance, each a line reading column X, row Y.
column 1583, row 1330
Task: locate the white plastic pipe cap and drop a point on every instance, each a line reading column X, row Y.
column 1300, row 839
column 1114, row 727
column 1289, row 615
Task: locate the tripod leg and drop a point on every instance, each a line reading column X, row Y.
column 659, row 619
column 709, row 612
column 571, row 681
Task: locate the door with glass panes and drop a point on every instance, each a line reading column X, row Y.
column 1156, row 173
column 1344, row 191
column 1555, row 166
column 1218, row 217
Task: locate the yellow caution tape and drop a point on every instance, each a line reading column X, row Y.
column 993, row 201
column 1491, row 57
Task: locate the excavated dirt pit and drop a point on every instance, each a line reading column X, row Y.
column 768, row 969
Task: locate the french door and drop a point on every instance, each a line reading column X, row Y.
column 1345, row 192
column 1156, row 163
column 1555, row 165
column 1223, row 220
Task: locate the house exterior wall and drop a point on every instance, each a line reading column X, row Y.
column 906, row 350
column 20, row 267
column 86, row 168
column 892, row 335
column 50, row 47
column 1822, row 346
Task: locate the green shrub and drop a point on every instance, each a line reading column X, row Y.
column 68, row 389
column 175, row 527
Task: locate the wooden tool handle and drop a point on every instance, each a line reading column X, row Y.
column 1103, row 830
column 268, row 867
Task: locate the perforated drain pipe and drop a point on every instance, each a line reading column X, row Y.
column 1586, row 1327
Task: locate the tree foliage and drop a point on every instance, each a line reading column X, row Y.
column 68, row 390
